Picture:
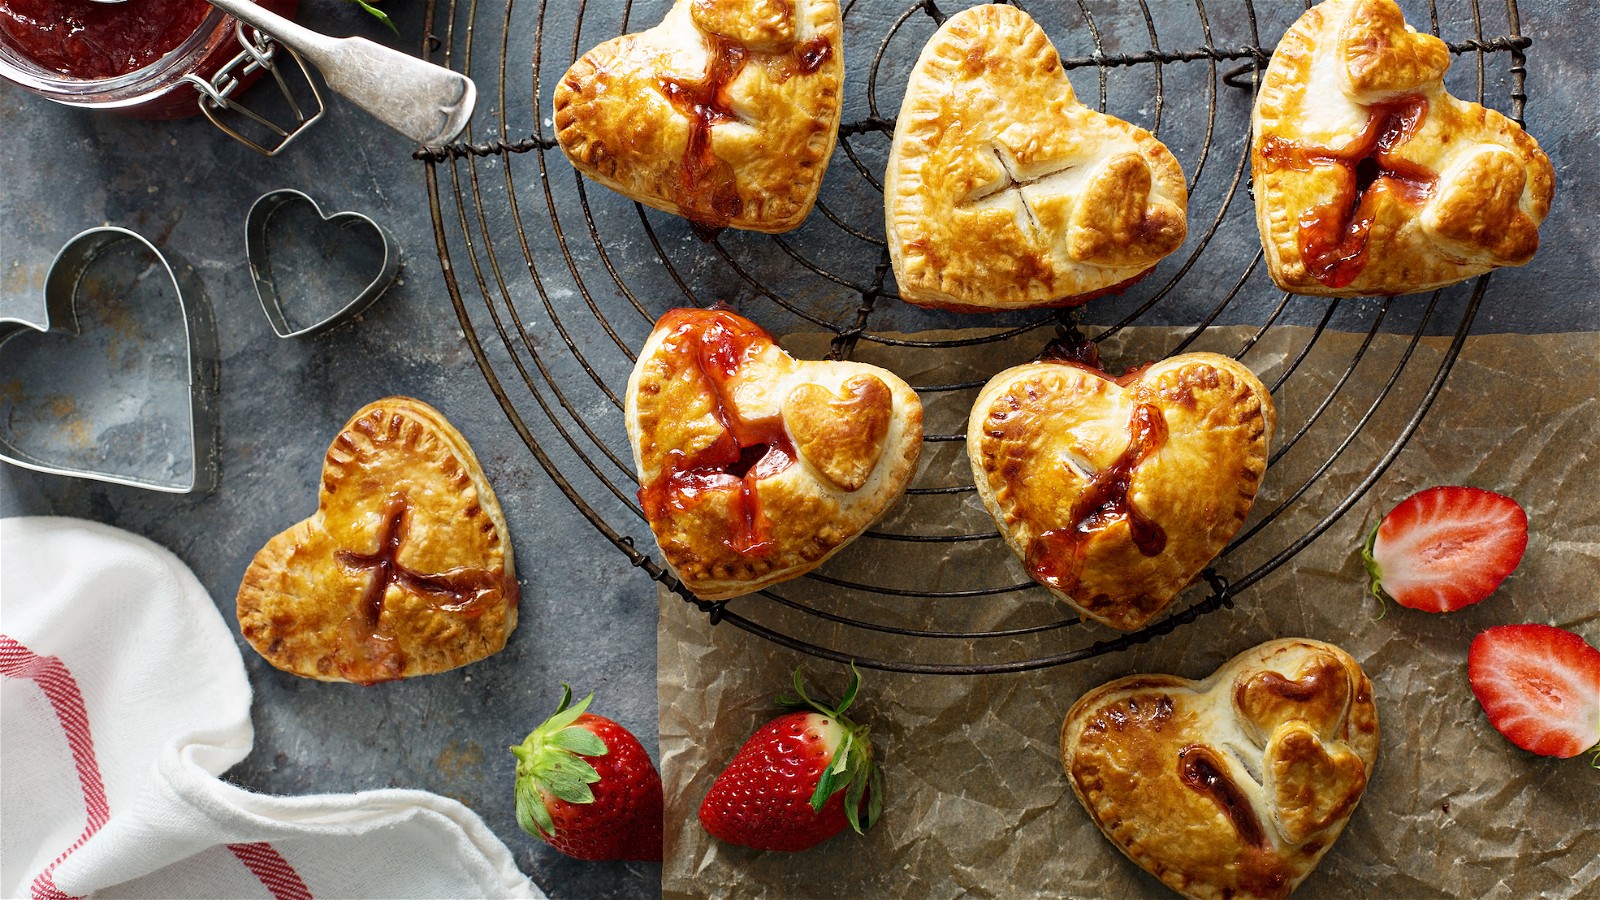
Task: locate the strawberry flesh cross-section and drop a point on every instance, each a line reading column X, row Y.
column 715, row 344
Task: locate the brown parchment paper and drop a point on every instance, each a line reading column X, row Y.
column 977, row 804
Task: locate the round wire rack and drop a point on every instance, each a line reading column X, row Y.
column 555, row 282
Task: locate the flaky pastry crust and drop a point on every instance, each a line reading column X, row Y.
column 726, row 113
column 754, row 466
column 1004, row 192
column 1117, row 493
column 1370, row 178
column 404, row 569
column 1231, row 787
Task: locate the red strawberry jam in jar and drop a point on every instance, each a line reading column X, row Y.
column 130, row 57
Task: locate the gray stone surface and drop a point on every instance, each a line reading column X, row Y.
column 588, row 618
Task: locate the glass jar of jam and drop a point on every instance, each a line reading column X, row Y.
column 129, row 57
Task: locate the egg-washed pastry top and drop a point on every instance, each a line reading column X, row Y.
column 1117, row 492
column 405, row 568
column 1234, row 786
column 754, row 466
column 1370, row 178
column 725, row 113
column 1005, row 192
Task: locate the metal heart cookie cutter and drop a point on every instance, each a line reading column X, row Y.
column 102, row 389
column 258, row 249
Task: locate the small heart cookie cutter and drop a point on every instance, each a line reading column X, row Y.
column 62, row 287
column 259, row 257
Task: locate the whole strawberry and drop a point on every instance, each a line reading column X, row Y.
column 586, row 787
column 799, row 779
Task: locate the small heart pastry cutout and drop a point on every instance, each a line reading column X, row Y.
column 1117, row 493
column 842, row 435
column 1004, row 192
column 755, row 467
column 1370, row 178
column 405, row 568
column 1235, row 786
column 726, row 113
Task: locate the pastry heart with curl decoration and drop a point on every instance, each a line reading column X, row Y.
column 755, row 466
column 1005, row 192
column 1116, row 493
column 1234, row 786
column 1370, row 178
column 726, row 113
column 405, row 568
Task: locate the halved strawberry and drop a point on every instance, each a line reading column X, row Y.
column 1445, row 547
column 1540, row 687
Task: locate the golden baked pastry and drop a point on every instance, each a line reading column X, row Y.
column 1369, row 177
column 755, row 466
column 1117, row 492
column 1231, row 787
column 1004, row 192
column 725, row 113
column 404, row 569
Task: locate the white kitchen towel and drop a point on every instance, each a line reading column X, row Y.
column 123, row 697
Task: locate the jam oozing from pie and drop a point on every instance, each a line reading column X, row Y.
column 1055, row 558
column 1259, row 870
column 1333, row 236
column 372, row 652
column 1200, row 769
column 715, row 344
column 708, row 191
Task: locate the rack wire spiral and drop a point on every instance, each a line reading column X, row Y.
column 555, row 282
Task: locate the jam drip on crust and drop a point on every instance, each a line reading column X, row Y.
column 1333, row 236
column 708, row 190
column 1055, row 558
column 372, row 654
column 1260, row 872
column 714, row 344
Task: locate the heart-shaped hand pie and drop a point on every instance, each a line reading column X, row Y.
column 1004, row 192
column 1234, row 786
column 726, row 113
column 405, row 568
column 1116, row 493
column 755, row 466
column 1370, row 178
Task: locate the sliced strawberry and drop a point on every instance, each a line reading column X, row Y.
column 1540, row 687
column 1446, row 547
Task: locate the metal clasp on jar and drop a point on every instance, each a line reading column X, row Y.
column 260, row 54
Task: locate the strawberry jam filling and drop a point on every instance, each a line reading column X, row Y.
column 83, row 39
column 713, row 344
column 1333, row 236
column 1055, row 558
column 708, row 191
column 371, row 653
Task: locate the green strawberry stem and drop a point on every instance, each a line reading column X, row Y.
column 853, row 770
column 378, row 14
column 550, row 764
column 1374, row 571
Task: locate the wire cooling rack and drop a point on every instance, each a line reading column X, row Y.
column 555, row 282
